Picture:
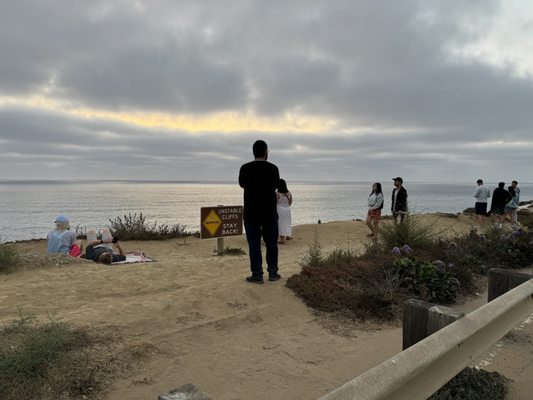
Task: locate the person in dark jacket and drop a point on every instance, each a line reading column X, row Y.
column 399, row 200
column 260, row 179
column 500, row 197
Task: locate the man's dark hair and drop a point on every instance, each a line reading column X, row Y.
column 480, row 181
column 260, row 148
column 501, row 185
column 515, row 182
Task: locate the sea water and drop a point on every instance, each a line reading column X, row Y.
column 28, row 209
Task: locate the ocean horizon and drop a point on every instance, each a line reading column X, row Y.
column 28, row 207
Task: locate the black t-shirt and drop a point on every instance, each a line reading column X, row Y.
column 93, row 253
column 259, row 179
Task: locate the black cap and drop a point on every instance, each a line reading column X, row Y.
column 398, row 179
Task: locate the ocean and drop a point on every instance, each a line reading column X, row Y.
column 28, row 208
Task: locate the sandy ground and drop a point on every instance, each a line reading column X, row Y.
column 233, row 339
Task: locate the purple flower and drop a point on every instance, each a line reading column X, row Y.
column 406, row 249
column 396, row 251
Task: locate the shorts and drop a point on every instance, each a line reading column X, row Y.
column 374, row 213
column 481, row 208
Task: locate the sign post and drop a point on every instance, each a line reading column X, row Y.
column 219, row 222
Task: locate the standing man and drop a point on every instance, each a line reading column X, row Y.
column 399, row 200
column 260, row 179
column 481, row 195
column 514, row 184
column 500, row 197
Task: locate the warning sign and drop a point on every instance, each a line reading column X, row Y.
column 220, row 221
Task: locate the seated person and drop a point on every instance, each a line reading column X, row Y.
column 98, row 253
column 61, row 240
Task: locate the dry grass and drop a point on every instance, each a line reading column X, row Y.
column 53, row 360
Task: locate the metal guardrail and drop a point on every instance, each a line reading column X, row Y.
column 419, row 371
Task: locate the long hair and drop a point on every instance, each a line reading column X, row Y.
column 378, row 188
column 511, row 190
column 283, row 186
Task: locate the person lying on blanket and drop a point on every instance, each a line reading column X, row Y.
column 104, row 255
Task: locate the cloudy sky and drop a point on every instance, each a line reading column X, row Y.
column 341, row 90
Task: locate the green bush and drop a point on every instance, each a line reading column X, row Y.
column 474, row 384
column 53, row 360
column 410, row 232
column 428, row 281
column 9, row 257
column 135, row 227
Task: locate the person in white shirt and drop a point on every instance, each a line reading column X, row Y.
column 481, row 195
column 375, row 205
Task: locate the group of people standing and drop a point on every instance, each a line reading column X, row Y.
column 266, row 213
column 504, row 203
column 376, row 202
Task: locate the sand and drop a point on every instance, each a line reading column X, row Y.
column 233, row 339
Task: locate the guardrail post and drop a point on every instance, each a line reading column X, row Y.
column 503, row 280
column 421, row 319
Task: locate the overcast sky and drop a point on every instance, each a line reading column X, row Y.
column 340, row 90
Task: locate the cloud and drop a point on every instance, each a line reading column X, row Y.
column 390, row 88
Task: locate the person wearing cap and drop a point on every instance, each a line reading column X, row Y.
column 399, row 200
column 61, row 240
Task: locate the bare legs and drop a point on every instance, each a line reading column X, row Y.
column 373, row 225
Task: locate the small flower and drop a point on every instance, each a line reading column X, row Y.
column 396, row 251
column 406, row 249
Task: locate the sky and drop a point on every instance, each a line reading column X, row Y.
column 430, row 90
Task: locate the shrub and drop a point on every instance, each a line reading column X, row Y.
column 428, row 281
column 313, row 258
column 135, row 227
column 474, row 384
column 9, row 257
column 54, row 360
column 410, row 232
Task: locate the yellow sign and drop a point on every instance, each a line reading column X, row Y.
column 212, row 222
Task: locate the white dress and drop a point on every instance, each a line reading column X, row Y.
column 284, row 215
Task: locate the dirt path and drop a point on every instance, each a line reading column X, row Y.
column 233, row 339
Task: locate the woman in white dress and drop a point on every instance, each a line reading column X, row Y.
column 284, row 212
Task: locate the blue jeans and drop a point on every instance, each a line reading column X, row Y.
column 267, row 228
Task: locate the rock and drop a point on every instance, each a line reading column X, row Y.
column 185, row 392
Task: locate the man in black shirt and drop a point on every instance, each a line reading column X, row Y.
column 500, row 197
column 399, row 200
column 260, row 179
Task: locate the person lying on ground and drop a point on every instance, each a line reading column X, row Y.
column 103, row 254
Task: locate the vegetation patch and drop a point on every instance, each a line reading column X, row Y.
column 9, row 257
column 409, row 261
column 474, row 384
column 54, row 360
column 135, row 227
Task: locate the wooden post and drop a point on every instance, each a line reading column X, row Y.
column 421, row 319
column 440, row 316
column 220, row 244
column 503, row 280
